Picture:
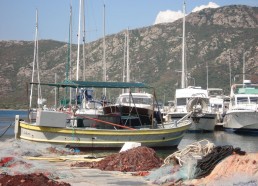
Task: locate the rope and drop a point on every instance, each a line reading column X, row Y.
column 102, row 121
column 208, row 163
column 196, row 150
column 6, row 130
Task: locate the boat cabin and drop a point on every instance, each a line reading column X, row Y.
column 244, row 95
column 142, row 100
column 182, row 97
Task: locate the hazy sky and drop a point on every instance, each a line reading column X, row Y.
column 17, row 17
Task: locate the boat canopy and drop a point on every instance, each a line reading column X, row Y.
column 96, row 84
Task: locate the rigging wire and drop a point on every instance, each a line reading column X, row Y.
column 6, row 129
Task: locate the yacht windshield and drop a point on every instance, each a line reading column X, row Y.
column 242, row 100
column 181, row 101
column 254, row 100
column 136, row 100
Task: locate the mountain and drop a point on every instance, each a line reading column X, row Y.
column 216, row 40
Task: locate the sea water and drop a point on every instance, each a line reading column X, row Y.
column 7, row 118
column 247, row 143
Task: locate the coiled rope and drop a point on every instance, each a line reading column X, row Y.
column 196, row 150
column 208, row 163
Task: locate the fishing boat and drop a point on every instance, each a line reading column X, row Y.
column 242, row 114
column 135, row 108
column 65, row 128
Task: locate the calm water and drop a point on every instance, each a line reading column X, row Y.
column 7, row 118
column 247, row 143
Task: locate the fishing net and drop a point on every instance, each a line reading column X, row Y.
column 132, row 160
column 237, row 170
column 14, row 158
column 181, row 164
column 198, row 160
column 29, row 179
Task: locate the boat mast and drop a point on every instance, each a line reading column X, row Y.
column 68, row 64
column 127, row 59
column 83, row 39
column 125, row 44
column 244, row 66
column 55, row 93
column 35, row 60
column 70, row 52
column 183, row 77
column 104, row 52
column 78, row 50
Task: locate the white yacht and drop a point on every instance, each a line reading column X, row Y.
column 218, row 103
column 242, row 115
column 194, row 99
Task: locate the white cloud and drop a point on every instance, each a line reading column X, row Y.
column 210, row 5
column 170, row 16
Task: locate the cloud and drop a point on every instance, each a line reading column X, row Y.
column 210, row 5
column 170, row 16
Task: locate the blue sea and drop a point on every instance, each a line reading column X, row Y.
column 247, row 143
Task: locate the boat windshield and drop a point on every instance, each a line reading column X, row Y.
column 254, row 100
column 242, row 100
column 136, row 100
column 216, row 105
column 215, row 92
column 181, row 101
column 94, row 105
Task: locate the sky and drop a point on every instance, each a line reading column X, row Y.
column 18, row 17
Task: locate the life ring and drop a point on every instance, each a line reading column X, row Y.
column 197, row 101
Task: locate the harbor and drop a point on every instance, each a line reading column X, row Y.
column 173, row 103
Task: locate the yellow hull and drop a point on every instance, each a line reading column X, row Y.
column 102, row 138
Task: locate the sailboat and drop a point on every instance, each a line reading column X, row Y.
column 192, row 99
column 40, row 100
column 87, row 105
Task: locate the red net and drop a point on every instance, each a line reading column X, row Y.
column 133, row 160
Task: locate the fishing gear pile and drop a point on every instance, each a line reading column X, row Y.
column 132, row 160
column 207, row 163
column 29, row 179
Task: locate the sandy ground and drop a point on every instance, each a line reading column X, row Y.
column 79, row 176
